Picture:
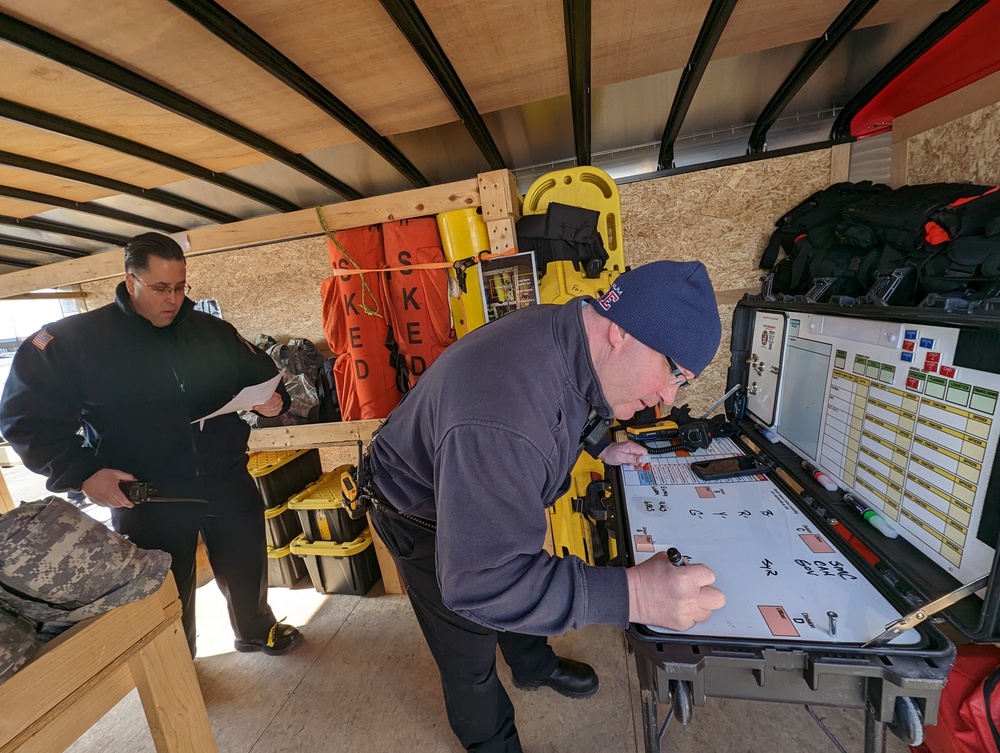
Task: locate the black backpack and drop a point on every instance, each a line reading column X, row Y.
column 822, row 208
column 564, row 233
column 899, row 218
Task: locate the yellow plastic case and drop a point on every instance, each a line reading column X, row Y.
column 262, row 463
column 283, row 570
column 464, row 235
column 280, row 473
column 590, row 188
column 572, row 531
column 280, row 526
column 348, row 567
column 321, row 511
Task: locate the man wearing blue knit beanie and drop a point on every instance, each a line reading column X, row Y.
column 465, row 466
column 670, row 307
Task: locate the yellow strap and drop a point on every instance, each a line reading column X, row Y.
column 425, row 265
column 483, row 256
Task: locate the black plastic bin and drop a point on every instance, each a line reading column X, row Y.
column 279, row 474
column 321, row 512
column 281, row 525
column 339, row 568
column 284, row 569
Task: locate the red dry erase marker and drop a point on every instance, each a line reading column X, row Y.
column 821, row 478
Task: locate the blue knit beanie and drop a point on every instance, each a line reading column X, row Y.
column 669, row 306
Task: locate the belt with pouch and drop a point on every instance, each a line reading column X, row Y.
column 360, row 494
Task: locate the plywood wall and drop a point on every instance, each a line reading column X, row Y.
column 966, row 149
column 271, row 289
column 724, row 218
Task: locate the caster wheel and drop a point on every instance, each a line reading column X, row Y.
column 908, row 722
column 682, row 700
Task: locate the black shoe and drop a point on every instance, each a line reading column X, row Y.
column 78, row 499
column 572, row 679
column 281, row 639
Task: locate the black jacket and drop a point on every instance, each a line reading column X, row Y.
column 134, row 388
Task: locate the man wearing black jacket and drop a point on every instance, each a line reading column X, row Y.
column 134, row 375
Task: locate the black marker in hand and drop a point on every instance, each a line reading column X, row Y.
column 676, row 558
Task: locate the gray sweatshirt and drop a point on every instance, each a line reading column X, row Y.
column 483, row 443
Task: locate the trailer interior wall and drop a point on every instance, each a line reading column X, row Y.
column 722, row 216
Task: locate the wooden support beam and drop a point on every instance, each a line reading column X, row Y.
column 732, row 297
column 79, row 295
column 392, row 581
column 498, row 194
column 341, row 433
column 501, row 234
column 899, row 164
column 418, row 202
column 6, row 499
column 501, row 206
column 840, row 163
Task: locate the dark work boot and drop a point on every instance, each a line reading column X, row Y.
column 572, row 679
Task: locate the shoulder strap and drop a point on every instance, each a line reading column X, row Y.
column 770, row 255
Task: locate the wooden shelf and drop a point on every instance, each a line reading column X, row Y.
column 79, row 676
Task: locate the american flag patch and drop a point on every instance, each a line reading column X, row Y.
column 42, row 339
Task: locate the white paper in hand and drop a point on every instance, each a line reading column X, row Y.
column 247, row 398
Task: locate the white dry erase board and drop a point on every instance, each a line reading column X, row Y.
column 882, row 408
column 779, row 573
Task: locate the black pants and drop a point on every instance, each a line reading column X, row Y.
column 232, row 525
column 479, row 710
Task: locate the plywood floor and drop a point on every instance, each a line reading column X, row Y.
column 365, row 682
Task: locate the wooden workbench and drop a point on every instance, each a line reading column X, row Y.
column 78, row 677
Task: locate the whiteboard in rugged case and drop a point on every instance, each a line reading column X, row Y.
column 780, row 574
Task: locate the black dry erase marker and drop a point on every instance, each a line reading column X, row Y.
column 675, row 557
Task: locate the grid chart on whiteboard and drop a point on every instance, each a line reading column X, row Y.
column 910, row 433
column 675, row 468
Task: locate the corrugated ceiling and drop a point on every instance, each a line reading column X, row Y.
column 509, row 55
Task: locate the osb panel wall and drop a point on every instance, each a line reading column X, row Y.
column 724, row 218
column 270, row 289
column 966, row 149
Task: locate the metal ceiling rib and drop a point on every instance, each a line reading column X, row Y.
column 49, row 226
column 48, row 248
column 38, row 119
column 934, row 33
column 577, row 13
column 818, row 51
column 81, row 176
column 411, row 23
column 42, row 43
column 537, row 86
column 241, row 37
column 88, row 207
column 19, row 263
column 701, row 55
